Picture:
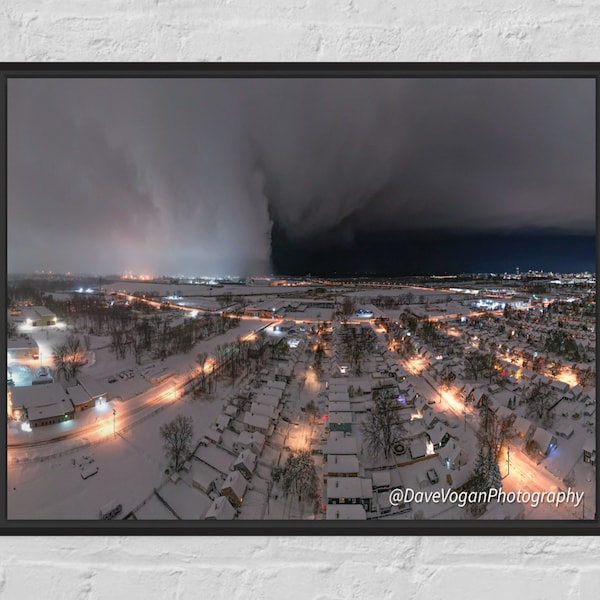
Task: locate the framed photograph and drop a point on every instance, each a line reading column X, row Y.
column 300, row 299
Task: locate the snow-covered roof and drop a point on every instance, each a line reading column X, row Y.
column 340, row 444
column 339, row 396
column 251, row 439
column 381, row 479
column 503, row 412
column 39, row 395
column 215, row 457
column 342, row 463
column 51, row 411
column 437, row 433
column 92, row 386
column 340, row 417
column 564, row 429
column 589, row 445
column 236, row 483
column 78, row 395
column 338, row 406
column 349, row 487
column 522, row 425
column 230, row 411
column 269, row 391
column 543, row 438
column 262, row 409
column 258, row 421
column 277, row 385
column 203, row 476
column 222, row 422
column 220, row 510
column 267, row 400
column 213, row 436
column 561, row 386
column 247, row 458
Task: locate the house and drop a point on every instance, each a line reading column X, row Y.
column 419, row 448
column 335, row 406
column 545, row 440
column 350, row 490
column 452, row 456
column 523, row 427
column 94, row 388
column 283, row 373
column 504, row 413
column 80, row 399
column 39, row 316
column 477, row 397
column 338, row 397
column 276, row 385
column 234, row 488
column 258, row 423
column 267, row 400
column 41, row 405
column 254, row 441
column 342, row 465
column 231, row 411
column 212, row 436
column 430, row 419
column 438, row 436
column 220, row 510
column 382, row 481
column 270, row 412
column 560, row 386
column 245, row 463
column 22, row 347
column 589, row 452
column 269, row 391
column 345, row 512
column 205, row 478
column 575, row 392
column 340, row 443
column 222, row 423
column 565, row 430
column 215, row 457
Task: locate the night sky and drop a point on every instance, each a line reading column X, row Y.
column 322, row 176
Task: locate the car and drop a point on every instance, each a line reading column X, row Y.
column 286, row 419
column 112, row 380
column 43, row 372
column 432, row 476
column 10, row 381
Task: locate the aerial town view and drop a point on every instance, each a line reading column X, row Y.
column 301, row 299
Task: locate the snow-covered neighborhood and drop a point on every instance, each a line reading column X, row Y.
column 302, row 398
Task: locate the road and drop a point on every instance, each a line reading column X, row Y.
column 165, row 394
column 521, row 474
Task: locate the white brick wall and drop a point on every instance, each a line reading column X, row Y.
column 300, row 567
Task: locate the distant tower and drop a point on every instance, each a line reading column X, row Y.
column 517, row 270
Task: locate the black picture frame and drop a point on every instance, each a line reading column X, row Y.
column 249, row 70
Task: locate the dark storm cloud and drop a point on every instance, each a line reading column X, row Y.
column 189, row 175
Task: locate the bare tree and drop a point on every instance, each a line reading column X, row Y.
column 177, row 439
column 383, row 427
column 69, row 358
